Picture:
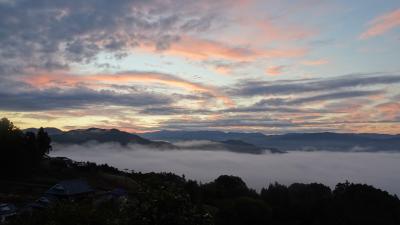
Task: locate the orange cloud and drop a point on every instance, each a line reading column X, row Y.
column 284, row 53
column 224, row 70
column 203, row 49
column 104, row 80
column 275, row 70
column 390, row 110
column 315, row 62
column 382, row 24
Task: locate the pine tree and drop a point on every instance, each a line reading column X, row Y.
column 43, row 142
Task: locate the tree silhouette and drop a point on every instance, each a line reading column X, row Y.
column 43, row 142
column 21, row 152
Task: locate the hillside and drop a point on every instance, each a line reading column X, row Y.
column 81, row 136
column 168, row 199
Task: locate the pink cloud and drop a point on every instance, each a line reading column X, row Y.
column 275, row 70
column 65, row 80
column 382, row 24
column 224, row 70
column 269, row 31
column 317, row 62
column 202, row 49
column 389, row 110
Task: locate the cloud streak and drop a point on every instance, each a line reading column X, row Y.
column 127, row 77
column 203, row 49
column 254, row 88
column 334, row 96
column 75, row 98
column 382, row 24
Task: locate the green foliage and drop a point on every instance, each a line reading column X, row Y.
column 225, row 187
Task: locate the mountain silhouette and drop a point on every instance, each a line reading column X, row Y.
column 292, row 141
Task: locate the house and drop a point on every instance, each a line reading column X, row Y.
column 6, row 211
column 70, row 189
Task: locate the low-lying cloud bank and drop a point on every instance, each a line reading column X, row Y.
column 378, row 169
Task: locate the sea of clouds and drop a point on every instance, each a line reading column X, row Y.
column 380, row 169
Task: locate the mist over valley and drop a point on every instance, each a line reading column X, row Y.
column 257, row 170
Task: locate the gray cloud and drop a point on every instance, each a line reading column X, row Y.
column 45, row 34
column 231, row 121
column 277, row 123
column 254, row 88
column 274, row 105
column 170, row 110
column 335, row 96
column 316, row 98
column 78, row 97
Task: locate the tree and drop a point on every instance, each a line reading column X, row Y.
column 12, row 146
column 43, row 142
column 19, row 151
column 227, row 187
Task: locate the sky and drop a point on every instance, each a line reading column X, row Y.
column 235, row 65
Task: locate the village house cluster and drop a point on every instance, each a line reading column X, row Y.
column 66, row 190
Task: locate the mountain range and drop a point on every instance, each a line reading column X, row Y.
column 293, row 141
column 232, row 141
column 81, row 136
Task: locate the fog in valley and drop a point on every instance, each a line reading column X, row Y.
column 380, row 169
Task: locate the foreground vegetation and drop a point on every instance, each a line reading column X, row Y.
column 165, row 198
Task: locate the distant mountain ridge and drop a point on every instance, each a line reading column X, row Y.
column 234, row 141
column 49, row 130
column 293, row 141
column 251, row 138
column 80, row 136
column 229, row 145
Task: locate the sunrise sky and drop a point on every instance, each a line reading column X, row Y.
column 271, row 66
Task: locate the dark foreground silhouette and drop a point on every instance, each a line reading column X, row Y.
column 164, row 198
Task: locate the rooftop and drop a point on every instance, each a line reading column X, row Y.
column 70, row 187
